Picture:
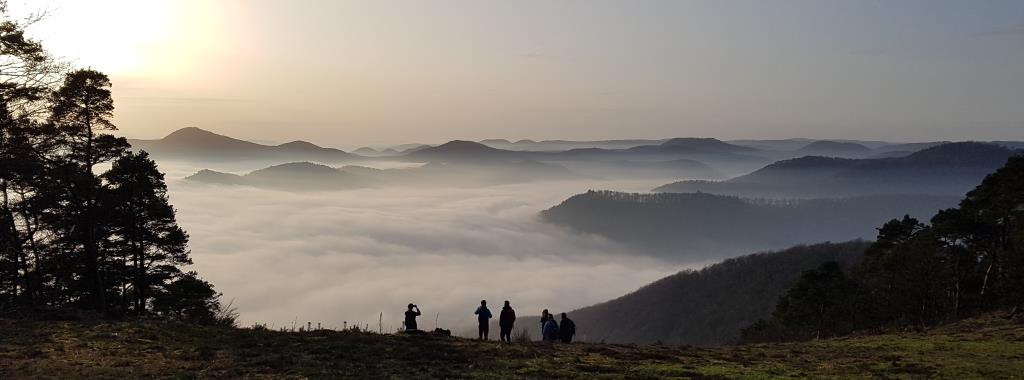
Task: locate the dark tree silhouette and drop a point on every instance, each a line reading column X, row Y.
column 69, row 236
column 145, row 237
column 81, row 111
column 969, row 260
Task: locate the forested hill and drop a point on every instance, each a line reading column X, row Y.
column 699, row 226
column 708, row 306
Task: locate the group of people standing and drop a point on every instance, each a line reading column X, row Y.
column 556, row 331
column 551, row 330
column 506, row 320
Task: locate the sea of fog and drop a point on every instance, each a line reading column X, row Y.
column 339, row 257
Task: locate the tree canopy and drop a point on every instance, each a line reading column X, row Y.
column 969, row 259
column 71, row 237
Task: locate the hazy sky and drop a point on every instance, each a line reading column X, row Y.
column 348, row 73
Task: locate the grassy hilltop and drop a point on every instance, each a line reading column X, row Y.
column 989, row 347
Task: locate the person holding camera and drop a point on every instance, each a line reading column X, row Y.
column 410, row 317
column 483, row 315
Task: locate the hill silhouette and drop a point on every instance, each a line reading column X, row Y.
column 710, row 306
column 366, row 151
column 909, row 147
column 625, row 169
column 462, row 150
column 705, row 144
column 295, row 176
column 834, row 149
column 561, row 145
column 692, row 227
column 306, row 176
column 196, row 144
column 947, row 169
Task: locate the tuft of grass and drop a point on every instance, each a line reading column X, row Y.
column 522, row 335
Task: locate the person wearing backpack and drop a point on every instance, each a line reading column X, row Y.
column 566, row 330
column 550, row 330
column 506, row 320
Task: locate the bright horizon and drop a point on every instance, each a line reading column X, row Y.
column 388, row 72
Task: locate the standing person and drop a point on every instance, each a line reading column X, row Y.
column 483, row 316
column 566, row 329
column 550, row 329
column 543, row 319
column 410, row 317
column 506, row 320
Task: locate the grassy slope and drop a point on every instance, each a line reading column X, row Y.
column 981, row 348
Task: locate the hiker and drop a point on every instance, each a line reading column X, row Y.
column 506, row 320
column 550, row 329
column 566, row 329
column 410, row 317
column 483, row 315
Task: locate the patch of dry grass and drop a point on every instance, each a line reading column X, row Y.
column 985, row 348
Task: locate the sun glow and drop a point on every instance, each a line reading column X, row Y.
column 124, row 37
column 114, row 36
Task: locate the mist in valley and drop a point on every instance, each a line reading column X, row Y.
column 353, row 241
column 332, row 257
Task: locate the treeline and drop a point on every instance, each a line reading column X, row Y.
column 969, row 259
column 710, row 306
column 73, row 235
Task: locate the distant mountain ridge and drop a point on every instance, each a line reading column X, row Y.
column 562, row 145
column 197, row 144
column 463, row 150
column 947, row 169
column 834, row 149
column 307, row 176
column 695, row 151
column 294, row 176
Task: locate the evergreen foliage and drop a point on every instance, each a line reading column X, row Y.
column 969, row 260
column 71, row 237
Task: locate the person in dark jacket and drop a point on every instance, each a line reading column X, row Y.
column 483, row 316
column 566, row 329
column 410, row 317
column 506, row 320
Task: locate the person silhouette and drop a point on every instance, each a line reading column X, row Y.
column 483, row 316
column 506, row 320
column 410, row 317
column 549, row 328
column 566, row 329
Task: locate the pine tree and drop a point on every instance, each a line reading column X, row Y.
column 81, row 110
column 145, row 236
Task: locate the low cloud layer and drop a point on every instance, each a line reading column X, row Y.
column 331, row 257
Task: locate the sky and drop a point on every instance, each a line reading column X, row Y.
column 351, row 73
